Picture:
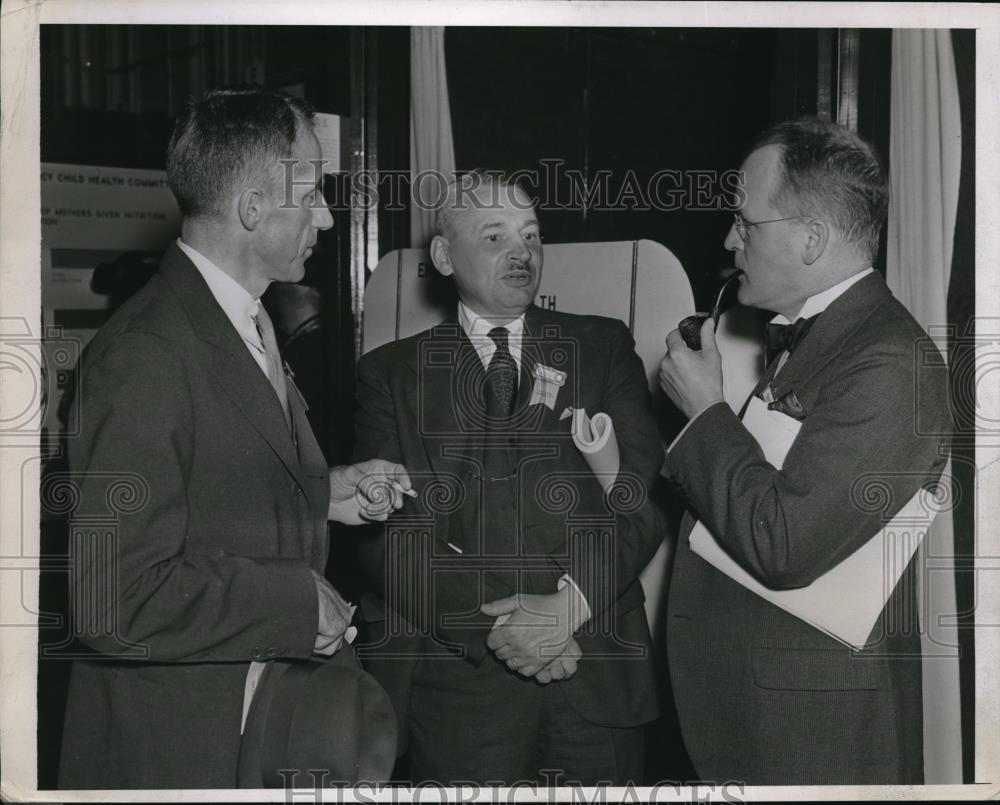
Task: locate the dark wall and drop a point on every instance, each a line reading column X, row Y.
column 624, row 105
column 110, row 92
column 621, row 107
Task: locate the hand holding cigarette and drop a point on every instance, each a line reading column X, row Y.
column 369, row 491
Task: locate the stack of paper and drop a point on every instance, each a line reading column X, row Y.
column 845, row 602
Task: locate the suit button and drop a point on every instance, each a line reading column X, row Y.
column 255, row 654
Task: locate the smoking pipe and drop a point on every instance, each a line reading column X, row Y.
column 690, row 326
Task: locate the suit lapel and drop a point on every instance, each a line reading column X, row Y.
column 828, row 335
column 315, row 473
column 531, row 356
column 310, row 456
column 541, row 346
column 228, row 360
column 544, row 345
column 445, row 396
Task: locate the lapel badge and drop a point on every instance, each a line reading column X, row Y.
column 550, row 375
column 548, row 381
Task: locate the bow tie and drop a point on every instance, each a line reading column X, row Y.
column 781, row 337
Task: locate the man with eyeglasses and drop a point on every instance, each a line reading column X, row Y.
column 764, row 697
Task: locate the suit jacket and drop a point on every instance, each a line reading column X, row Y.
column 197, row 524
column 762, row 696
column 420, row 402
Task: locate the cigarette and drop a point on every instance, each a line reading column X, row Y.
column 408, row 492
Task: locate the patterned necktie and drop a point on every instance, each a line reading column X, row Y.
column 501, row 375
column 275, row 370
column 782, row 337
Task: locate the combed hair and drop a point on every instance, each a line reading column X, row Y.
column 828, row 171
column 458, row 195
column 228, row 137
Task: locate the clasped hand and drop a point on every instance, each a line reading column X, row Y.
column 535, row 637
column 369, row 491
column 692, row 379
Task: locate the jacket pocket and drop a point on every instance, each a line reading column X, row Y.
column 813, row 669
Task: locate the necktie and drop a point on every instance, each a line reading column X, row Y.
column 498, row 508
column 501, row 375
column 275, row 369
column 779, row 337
column 782, row 337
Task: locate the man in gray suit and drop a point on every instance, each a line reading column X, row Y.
column 762, row 696
column 214, row 567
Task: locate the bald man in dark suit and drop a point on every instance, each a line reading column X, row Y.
column 517, row 568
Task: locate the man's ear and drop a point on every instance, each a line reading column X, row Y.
column 440, row 256
column 817, row 238
column 251, row 205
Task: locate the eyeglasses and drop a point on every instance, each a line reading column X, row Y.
column 743, row 225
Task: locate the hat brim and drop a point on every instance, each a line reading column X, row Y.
column 317, row 723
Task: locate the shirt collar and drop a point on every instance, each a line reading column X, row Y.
column 236, row 302
column 817, row 303
column 476, row 327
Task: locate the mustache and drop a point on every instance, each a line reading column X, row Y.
column 528, row 265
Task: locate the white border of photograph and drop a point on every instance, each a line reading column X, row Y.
column 20, row 229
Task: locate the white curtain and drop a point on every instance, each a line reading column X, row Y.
column 925, row 151
column 432, row 151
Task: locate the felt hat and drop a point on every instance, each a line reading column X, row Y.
column 316, row 716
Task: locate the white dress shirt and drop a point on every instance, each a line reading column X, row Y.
column 478, row 328
column 236, row 302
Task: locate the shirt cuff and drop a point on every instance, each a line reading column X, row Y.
column 565, row 579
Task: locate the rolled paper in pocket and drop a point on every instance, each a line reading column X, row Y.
column 595, row 439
